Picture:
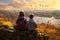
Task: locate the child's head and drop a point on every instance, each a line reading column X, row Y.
column 21, row 13
column 31, row 16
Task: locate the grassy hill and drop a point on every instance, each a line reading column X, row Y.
column 42, row 29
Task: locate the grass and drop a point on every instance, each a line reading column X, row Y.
column 22, row 35
column 44, row 32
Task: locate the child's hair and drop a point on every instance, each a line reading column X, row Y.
column 31, row 16
column 21, row 13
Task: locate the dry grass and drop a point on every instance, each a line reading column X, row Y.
column 51, row 30
column 47, row 30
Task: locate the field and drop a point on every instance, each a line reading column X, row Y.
column 43, row 32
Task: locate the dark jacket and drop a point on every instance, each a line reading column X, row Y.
column 20, row 23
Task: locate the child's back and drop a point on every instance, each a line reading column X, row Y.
column 31, row 25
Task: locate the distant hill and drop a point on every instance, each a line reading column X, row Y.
column 46, row 13
column 12, row 14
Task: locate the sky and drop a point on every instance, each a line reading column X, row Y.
column 29, row 4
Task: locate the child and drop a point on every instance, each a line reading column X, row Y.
column 21, row 22
column 31, row 25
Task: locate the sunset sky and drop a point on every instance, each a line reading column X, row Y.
column 29, row 4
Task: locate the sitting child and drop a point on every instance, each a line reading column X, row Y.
column 31, row 25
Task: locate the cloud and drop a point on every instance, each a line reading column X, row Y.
column 30, row 4
column 5, row 6
column 6, row 1
column 38, row 5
